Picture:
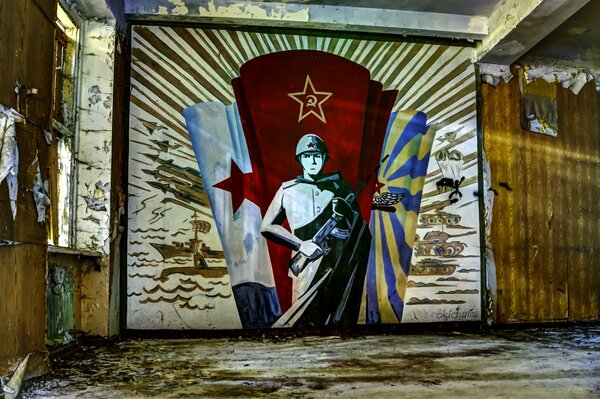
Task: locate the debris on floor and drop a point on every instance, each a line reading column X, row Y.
column 13, row 386
column 540, row 363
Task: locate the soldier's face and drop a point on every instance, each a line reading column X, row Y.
column 312, row 162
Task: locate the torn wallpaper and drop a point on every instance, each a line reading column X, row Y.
column 9, row 157
column 539, row 113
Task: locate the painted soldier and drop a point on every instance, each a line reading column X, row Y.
column 330, row 239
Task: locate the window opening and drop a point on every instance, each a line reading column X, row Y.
column 64, row 117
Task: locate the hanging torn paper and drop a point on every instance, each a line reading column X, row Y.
column 539, row 112
column 9, row 155
column 39, row 192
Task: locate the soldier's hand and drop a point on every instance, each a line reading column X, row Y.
column 310, row 249
column 342, row 207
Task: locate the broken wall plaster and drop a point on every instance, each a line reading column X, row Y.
column 89, row 10
column 569, row 77
column 95, row 128
column 492, row 73
column 324, row 16
column 246, row 10
column 180, row 7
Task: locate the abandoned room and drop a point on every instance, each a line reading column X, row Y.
column 297, row 198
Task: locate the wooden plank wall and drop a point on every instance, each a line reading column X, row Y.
column 546, row 216
column 26, row 55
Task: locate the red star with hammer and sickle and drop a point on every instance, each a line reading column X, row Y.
column 311, row 101
column 241, row 186
column 378, row 186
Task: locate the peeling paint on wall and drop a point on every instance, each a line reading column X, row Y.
column 95, row 137
column 180, row 7
column 569, row 77
column 95, row 96
column 97, row 198
column 492, row 73
column 252, row 11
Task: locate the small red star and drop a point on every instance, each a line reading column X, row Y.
column 311, row 101
column 241, row 186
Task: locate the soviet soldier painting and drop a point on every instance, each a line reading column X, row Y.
column 329, row 238
column 322, row 165
column 299, row 247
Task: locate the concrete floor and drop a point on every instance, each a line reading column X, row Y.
column 542, row 363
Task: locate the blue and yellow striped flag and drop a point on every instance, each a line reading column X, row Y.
column 401, row 177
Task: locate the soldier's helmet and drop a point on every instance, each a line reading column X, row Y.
column 311, row 143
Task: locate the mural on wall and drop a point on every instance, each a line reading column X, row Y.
column 282, row 180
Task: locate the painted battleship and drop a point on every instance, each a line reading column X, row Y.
column 198, row 250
